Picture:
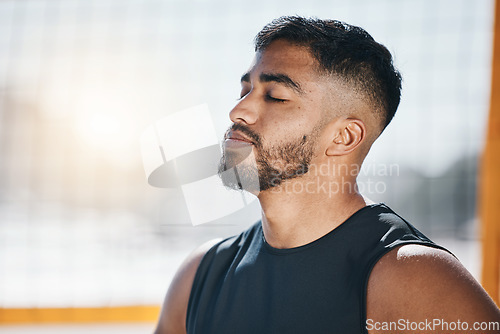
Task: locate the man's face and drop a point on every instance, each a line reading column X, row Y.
column 279, row 116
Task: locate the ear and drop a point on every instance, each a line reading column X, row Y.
column 348, row 135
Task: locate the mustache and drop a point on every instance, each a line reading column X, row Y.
column 246, row 131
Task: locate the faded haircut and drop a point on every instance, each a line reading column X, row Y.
column 346, row 52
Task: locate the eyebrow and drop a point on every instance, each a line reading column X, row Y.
column 276, row 77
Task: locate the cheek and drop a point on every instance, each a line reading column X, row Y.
column 284, row 132
column 290, row 123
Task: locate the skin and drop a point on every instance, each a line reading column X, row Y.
column 410, row 282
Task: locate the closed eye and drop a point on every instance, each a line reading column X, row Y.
column 241, row 97
column 267, row 97
column 274, row 99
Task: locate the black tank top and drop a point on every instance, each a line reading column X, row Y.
column 245, row 286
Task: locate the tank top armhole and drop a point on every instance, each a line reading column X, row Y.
column 197, row 278
column 374, row 261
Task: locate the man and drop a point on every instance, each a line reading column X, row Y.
column 324, row 259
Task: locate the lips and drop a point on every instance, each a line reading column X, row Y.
column 238, row 136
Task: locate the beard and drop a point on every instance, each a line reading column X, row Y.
column 244, row 169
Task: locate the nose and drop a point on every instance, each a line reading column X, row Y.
column 245, row 111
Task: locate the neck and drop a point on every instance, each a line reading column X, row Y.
column 299, row 211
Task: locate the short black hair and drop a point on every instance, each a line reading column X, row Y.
column 346, row 51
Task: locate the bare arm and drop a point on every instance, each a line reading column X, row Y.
column 413, row 285
column 173, row 313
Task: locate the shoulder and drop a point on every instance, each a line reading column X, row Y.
column 174, row 311
column 423, row 283
column 173, row 314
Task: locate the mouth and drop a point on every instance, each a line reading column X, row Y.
column 236, row 136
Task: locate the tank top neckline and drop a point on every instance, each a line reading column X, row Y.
column 285, row 251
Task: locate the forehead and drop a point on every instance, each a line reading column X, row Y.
column 283, row 57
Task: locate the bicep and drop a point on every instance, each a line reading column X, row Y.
column 173, row 313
